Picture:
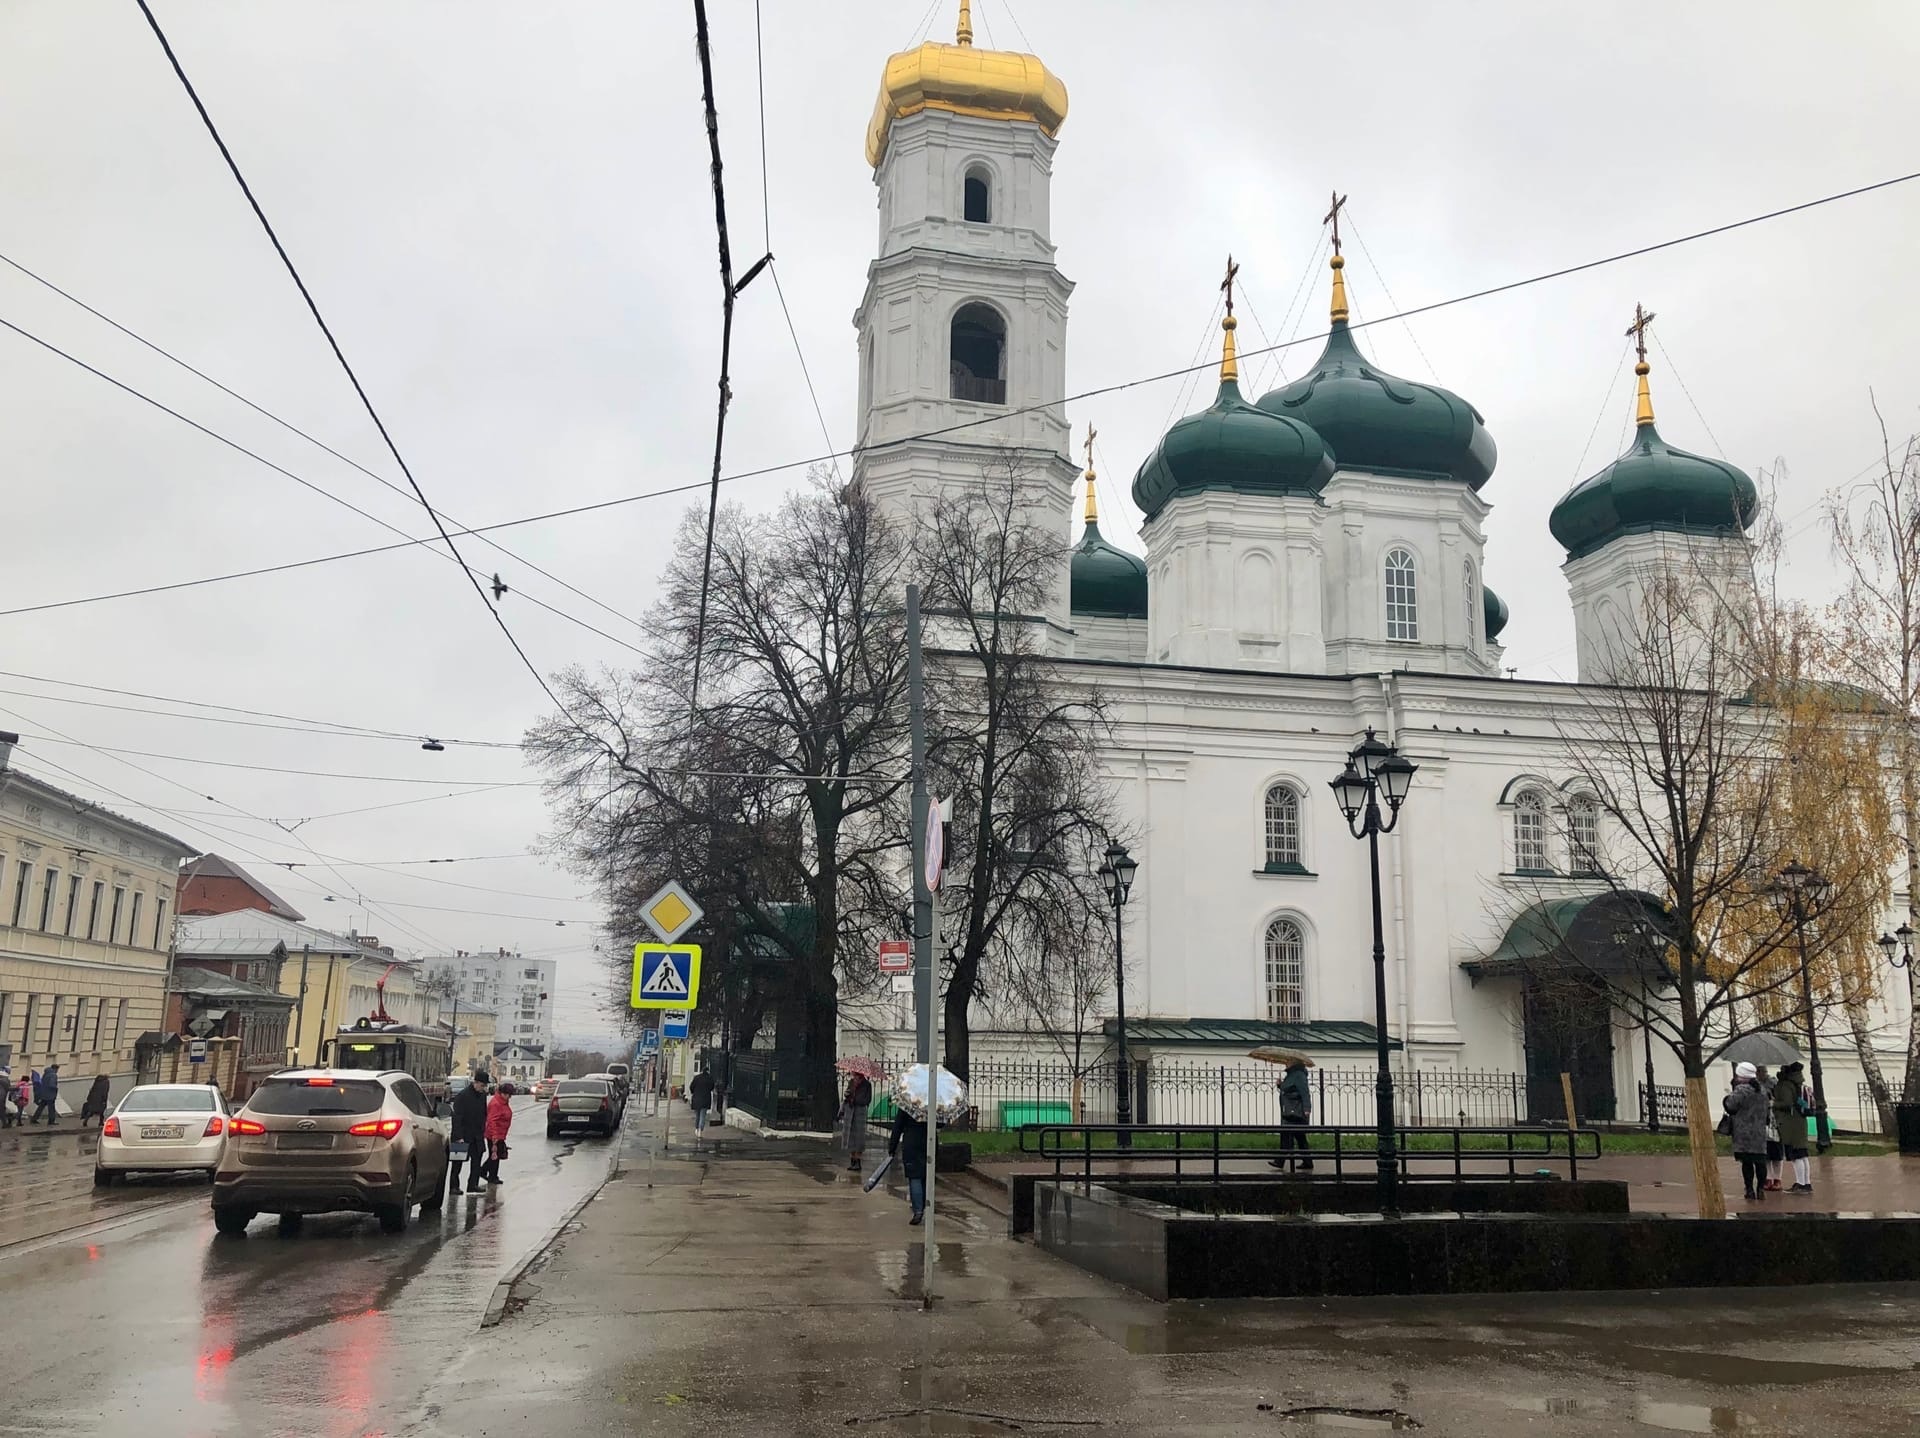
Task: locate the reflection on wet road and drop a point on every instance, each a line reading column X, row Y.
column 156, row 1326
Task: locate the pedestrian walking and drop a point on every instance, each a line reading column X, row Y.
column 700, row 1099
column 46, row 1095
column 23, row 1097
column 1296, row 1111
column 1790, row 1109
column 95, row 1104
column 1746, row 1109
column 1774, row 1151
column 909, row 1141
column 854, row 1105
column 499, row 1121
column 8, row 1116
column 469, row 1128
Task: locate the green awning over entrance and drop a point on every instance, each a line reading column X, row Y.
column 1247, row 1033
column 1611, row 935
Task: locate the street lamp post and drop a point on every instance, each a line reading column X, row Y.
column 1800, row 884
column 1117, row 869
column 1375, row 770
column 1898, row 947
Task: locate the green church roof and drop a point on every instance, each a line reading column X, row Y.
column 1233, row 445
column 1654, row 487
column 1376, row 421
column 1494, row 615
column 1104, row 581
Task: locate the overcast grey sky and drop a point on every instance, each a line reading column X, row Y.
column 504, row 211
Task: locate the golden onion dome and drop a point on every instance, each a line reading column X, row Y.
column 992, row 84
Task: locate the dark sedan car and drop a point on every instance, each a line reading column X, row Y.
column 587, row 1105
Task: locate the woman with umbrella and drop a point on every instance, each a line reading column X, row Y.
column 1296, row 1106
column 854, row 1105
column 908, row 1141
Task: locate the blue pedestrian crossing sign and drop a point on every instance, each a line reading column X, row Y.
column 666, row 976
column 673, row 1024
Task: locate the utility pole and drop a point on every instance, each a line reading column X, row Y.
column 924, row 982
column 300, row 1007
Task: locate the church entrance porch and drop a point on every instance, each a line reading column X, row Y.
column 1567, row 1028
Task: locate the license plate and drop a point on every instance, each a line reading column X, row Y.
column 306, row 1140
column 163, row 1130
column 578, row 1118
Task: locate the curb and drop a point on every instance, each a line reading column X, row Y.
column 503, row 1290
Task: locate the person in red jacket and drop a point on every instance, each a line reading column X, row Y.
column 499, row 1121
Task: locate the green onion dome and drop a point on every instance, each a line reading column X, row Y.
column 1653, row 488
column 1376, row 421
column 1233, row 445
column 1493, row 613
column 1105, row 582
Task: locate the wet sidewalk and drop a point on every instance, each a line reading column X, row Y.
column 753, row 1289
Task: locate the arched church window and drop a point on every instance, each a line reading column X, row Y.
column 1283, row 828
column 1530, row 834
column 1403, row 607
column 1583, row 834
column 977, row 355
column 1472, row 599
column 977, row 196
column 1286, row 972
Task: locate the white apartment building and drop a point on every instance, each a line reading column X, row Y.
column 517, row 991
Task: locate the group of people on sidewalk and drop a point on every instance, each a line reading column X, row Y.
column 907, row 1141
column 482, row 1118
column 39, row 1090
column 1767, row 1119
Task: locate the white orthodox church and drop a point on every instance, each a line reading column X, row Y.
column 1314, row 569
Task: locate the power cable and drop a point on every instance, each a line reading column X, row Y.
column 295, row 429
column 340, row 355
column 275, row 769
column 964, row 425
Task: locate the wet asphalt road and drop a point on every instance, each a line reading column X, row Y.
column 144, row 1321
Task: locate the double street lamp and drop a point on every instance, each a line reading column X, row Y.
column 1901, row 939
column 1117, row 868
column 1377, row 771
column 1801, row 888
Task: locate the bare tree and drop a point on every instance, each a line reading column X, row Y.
column 1875, row 625
column 771, row 799
column 1014, row 745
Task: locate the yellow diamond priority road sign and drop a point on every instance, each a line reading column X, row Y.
column 671, row 912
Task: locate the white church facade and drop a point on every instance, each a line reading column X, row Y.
column 1314, row 569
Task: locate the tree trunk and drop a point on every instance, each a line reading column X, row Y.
column 1711, row 1198
column 956, row 1037
column 1870, row 1063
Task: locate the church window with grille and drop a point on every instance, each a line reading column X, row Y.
column 1583, row 831
column 1286, row 972
column 1283, row 828
column 1530, row 834
column 1403, row 609
column 1472, row 600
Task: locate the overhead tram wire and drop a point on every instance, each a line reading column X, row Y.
column 295, row 429
column 339, row 354
column 304, row 483
column 963, row 425
column 277, row 769
column 729, row 292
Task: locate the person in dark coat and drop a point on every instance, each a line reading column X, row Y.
column 1790, row 1110
column 469, row 1127
column 1746, row 1107
column 909, row 1141
column 95, row 1107
column 700, row 1100
column 1296, row 1111
column 46, row 1095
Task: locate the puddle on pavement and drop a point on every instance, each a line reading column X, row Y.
column 1672, row 1417
column 1353, row 1420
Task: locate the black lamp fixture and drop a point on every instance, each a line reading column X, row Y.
column 1801, row 890
column 1375, row 771
column 1900, row 939
column 1117, row 868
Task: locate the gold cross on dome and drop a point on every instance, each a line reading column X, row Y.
column 1638, row 330
column 1091, row 434
column 1332, row 217
column 1226, row 285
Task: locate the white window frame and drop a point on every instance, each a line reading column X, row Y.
column 1273, row 963
column 1278, row 860
column 1473, row 593
column 1400, row 589
column 1584, row 852
column 1529, row 808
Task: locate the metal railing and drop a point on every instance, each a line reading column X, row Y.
column 1671, row 1101
column 1869, row 1111
column 1202, row 1149
column 979, row 389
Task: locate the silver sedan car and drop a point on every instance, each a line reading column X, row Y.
column 162, row 1128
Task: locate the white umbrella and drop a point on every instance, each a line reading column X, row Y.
column 910, row 1094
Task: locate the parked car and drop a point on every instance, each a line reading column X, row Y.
column 612, row 1081
column 327, row 1140
column 543, row 1088
column 622, row 1074
column 583, row 1105
column 162, row 1128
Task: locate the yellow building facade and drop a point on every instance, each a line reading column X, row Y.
column 86, row 931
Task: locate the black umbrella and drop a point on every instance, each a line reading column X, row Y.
column 1761, row 1048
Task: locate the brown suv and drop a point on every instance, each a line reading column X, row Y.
column 324, row 1140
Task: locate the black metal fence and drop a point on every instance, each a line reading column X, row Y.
column 1671, row 1102
column 1007, row 1094
column 1869, row 1111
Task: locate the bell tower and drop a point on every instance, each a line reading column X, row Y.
column 963, row 328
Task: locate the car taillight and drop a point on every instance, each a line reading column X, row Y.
column 378, row 1128
column 246, row 1125
column 214, row 1126
column 319, row 1083
column 111, row 1128
column 553, row 1105
column 606, row 1103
